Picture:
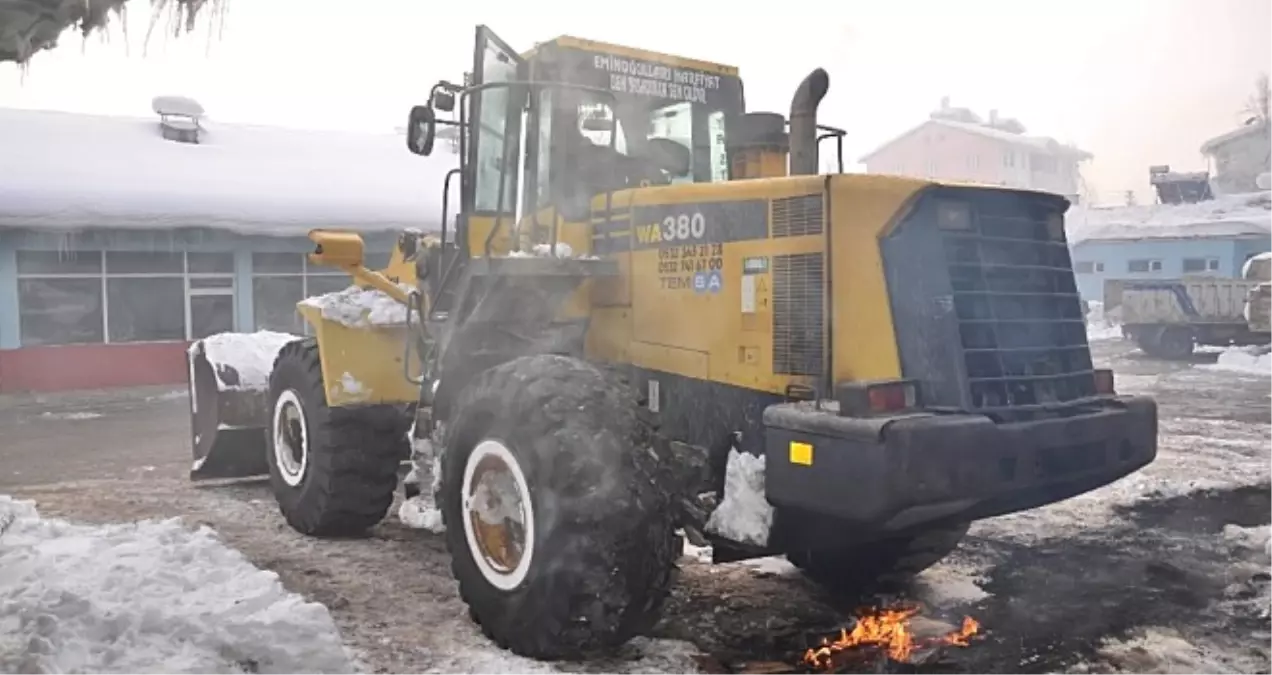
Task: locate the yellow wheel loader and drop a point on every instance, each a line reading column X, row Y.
column 653, row 315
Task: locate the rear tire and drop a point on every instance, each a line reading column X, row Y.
column 332, row 470
column 882, row 565
column 594, row 544
column 1167, row 343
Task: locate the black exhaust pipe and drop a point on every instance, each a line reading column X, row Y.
column 804, row 123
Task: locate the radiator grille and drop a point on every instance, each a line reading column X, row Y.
column 797, row 216
column 798, row 314
column 1019, row 315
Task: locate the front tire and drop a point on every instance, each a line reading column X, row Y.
column 561, row 540
column 332, row 470
column 883, row 565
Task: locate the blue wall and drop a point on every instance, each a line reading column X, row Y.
column 1115, row 255
column 378, row 246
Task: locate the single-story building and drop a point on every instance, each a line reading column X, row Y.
column 120, row 243
column 1213, row 237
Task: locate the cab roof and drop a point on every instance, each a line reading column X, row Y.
column 570, row 42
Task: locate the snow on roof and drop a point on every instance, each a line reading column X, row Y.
column 1238, row 215
column 1038, row 143
column 1240, row 132
column 71, row 171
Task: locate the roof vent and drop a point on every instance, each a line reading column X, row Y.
column 179, row 118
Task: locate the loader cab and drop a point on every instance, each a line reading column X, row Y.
column 543, row 132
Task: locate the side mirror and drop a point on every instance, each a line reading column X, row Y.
column 421, row 130
column 443, row 100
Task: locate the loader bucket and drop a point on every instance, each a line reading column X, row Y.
column 228, row 422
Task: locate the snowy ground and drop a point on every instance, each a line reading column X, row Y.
column 1165, row 571
column 153, row 596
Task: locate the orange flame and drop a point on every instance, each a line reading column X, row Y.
column 887, row 631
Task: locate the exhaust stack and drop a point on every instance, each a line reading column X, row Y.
column 804, row 123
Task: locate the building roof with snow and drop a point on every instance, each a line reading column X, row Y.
column 1213, row 144
column 72, row 171
column 1044, row 144
column 1227, row 216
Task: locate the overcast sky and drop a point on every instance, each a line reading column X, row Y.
column 1136, row 82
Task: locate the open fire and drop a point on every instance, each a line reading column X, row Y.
column 882, row 631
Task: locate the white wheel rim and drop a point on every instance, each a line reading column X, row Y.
column 496, row 505
column 291, row 438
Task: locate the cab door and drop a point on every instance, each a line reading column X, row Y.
column 493, row 147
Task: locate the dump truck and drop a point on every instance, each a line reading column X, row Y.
column 655, row 316
column 1258, row 302
column 1168, row 318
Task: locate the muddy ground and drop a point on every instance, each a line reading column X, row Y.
column 1137, row 577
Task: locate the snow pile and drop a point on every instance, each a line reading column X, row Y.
column 358, row 307
column 562, row 250
column 1253, row 360
column 1250, row 550
column 1226, row 215
column 1250, row 538
column 1098, row 326
column 242, row 361
column 148, row 597
column 744, row 515
column 73, row 171
column 475, row 654
column 1160, row 650
column 84, row 415
column 421, row 511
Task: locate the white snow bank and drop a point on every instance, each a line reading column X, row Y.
column 359, row 307
column 744, row 515
column 1250, row 552
column 1160, row 650
column 242, row 361
column 148, row 597
column 1252, row 538
column 83, row 415
column 562, row 250
column 475, row 654
column 1099, row 326
column 1253, row 360
column 1226, row 215
column 73, row 171
column 421, row 513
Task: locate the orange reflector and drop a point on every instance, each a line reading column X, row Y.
column 1104, row 381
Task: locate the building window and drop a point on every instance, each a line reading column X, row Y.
column 973, row 161
column 281, row 280
column 1088, row 267
column 1143, row 266
column 931, row 168
column 1201, row 265
column 1009, row 158
column 77, row 297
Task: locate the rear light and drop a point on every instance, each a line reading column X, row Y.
column 864, row 399
column 1104, row 381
